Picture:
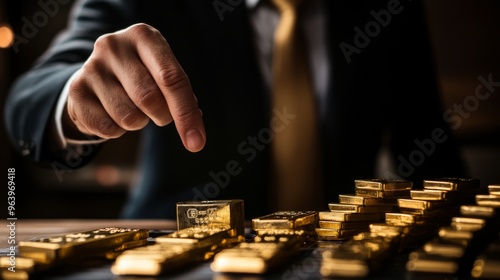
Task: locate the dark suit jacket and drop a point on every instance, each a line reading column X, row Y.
column 387, row 93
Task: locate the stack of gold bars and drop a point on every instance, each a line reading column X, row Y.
column 458, row 244
column 417, row 220
column 279, row 236
column 355, row 212
column 356, row 237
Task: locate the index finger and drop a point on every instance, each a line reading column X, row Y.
column 174, row 84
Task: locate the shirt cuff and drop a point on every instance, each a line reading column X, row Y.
column 60, row 106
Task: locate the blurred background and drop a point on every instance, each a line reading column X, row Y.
column 465, row 38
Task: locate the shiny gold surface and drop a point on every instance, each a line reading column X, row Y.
column 383, row 184
column 494, row 189
column 383, row 228
column 478, row 211
column 451, row 184
column 421, row 204
column 401, row 219
column 199, row 237
column 445, row 249
column 155, row 259
column 351, row 208
column 344, row 225
column 382, row 194
column 326, row 233
column 449, row 233
column 286, row 220
column 467, row 224
column 213, row 213
column 341, row 216
column 74, row 245
column 362, row 200
column 433, row 194
column 258, row 257
column 488, row 200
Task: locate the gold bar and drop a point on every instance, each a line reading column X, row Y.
column 467, row 224
column 363, row 200
column 445, row 249
column 449, row 233
column 494, row 189
column 326, row 233
column 153, row 260
column 421, row 204
column 348, row 267
column 478, row 211
column 344, row 225
column 383, row 228
column 401, row 219
column 451, row 184
column 433, row 194
column 350, row 208
column 112, row 254
column 383, row 184
column 286, row 220
column 488, row 200
column 444, row 266
column 351, row 217
column 428, row 213
column 258, row 257
column 212, row 213
column 486, row 268
column 200, row 237
column 77, row 245
column 382, row 194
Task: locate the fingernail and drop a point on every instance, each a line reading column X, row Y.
column 194, row 140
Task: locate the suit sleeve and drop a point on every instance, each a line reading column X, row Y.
column 32, row 98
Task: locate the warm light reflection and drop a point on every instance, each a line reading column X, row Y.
column 6, row 36
column 107, row 175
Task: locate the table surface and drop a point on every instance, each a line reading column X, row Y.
column 304, row 266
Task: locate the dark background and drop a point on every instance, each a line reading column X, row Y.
column 465, row 38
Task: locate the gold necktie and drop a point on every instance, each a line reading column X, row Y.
column 296, row 162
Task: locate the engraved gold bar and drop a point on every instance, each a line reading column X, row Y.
column 286, row 220
column 451, row 184
column 350, row 208
column 382, row 194
column 344, row 225
column 211, row 213
column 341, row 216
column 383, row 184
column 76, row 245
column 363, row 200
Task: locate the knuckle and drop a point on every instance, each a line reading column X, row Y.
column 146, row 95
column 106, row 42
column 173, row 79
column 187, row 115
column 132, row 119
column 142, row 30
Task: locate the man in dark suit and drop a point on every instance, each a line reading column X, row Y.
column 121, row 76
